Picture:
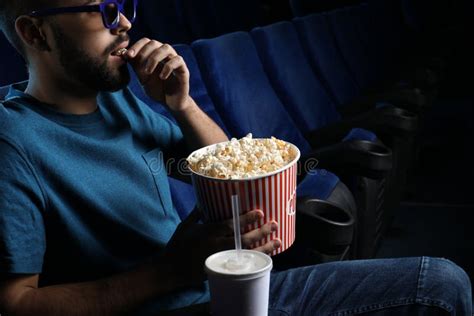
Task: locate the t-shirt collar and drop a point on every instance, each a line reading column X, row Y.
column 16, row 91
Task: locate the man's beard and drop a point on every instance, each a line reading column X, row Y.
column 92, row 72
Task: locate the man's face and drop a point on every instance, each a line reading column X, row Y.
column 84, row 49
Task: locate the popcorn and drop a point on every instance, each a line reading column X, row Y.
column 121, row 52
column 243, row 158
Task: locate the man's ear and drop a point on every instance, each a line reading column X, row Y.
column 30, row 31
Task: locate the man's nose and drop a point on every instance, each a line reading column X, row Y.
column 124, row 25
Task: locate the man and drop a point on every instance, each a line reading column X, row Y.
column 87, row 225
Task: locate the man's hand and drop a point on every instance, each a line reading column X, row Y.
column 192, row 243
column 162, row 72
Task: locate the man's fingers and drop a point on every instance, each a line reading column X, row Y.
column 132, row 50
column 174, row 64
column 150, row 54
column 258, row 234
column 158, row 56
column 248, row 218
column 269, row 247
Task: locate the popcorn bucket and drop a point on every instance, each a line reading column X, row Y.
column 274, row 193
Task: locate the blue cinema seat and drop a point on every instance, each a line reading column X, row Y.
column 324, row 55
column 247, row 102
column 361, row 60
column 304, row 95
column 350, row 45
column 241, row 91
column 325, row 59
column 314, row 111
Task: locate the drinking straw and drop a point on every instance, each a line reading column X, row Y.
column 236, row 218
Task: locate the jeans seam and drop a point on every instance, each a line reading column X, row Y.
column 419, row 282
column 420, row 285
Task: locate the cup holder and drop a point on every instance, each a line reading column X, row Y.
column 404, row 113
column 323, row 224
column 372, row 148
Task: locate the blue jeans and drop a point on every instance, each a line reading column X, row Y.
column 408, row 286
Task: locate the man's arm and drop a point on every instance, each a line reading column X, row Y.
column 180, row 266
column 121, row 293
column 20, row 295
column 198, row 128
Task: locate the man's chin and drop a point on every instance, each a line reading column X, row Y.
column 118, row 82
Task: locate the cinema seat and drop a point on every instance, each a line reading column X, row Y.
column 315, row 113
column 329, row 64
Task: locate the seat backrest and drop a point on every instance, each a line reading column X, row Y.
column 198, row 89
column 290, row 74
column 325, row 58
column 241, row 91
column 350, row 45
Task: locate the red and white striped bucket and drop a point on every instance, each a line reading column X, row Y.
column 273, row 193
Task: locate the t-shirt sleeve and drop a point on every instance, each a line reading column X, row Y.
column 22, row 233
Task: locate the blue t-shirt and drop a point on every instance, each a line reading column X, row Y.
column 85, row 196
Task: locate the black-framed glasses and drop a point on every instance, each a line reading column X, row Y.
column 109, row 9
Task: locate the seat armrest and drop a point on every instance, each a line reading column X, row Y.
column 387, row 120
column 392, row 120
column 410, row 99
column 356, row 157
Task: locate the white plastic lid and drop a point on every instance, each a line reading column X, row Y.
column 252, row 264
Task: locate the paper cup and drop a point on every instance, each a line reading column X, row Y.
column 239, row 293
column 273, row 193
